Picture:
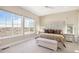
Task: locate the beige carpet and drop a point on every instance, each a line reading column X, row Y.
column 31, row 47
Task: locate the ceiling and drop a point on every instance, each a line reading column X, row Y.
column 45, row 10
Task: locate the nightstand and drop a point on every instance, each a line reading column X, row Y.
column 69, row 37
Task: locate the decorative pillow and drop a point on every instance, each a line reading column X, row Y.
column 54, row 31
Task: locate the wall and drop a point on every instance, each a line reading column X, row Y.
column 78, row 20
column 61, row 19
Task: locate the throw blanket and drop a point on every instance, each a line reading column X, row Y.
column 57, row 37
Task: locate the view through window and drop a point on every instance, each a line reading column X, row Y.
column 29, row 25
column 5, row 24
column 11, row 24
column 17, row 24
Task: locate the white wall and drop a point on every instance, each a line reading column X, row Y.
column 64, row 18
column 78, row 20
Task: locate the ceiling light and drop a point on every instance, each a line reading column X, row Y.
column 49, row 7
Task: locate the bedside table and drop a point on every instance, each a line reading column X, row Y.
column 69, row 37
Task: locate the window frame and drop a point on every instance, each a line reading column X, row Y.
column 30, row 27
column 22, row 24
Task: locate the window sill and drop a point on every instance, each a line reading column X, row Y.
column 27, row 33
column 10, row 36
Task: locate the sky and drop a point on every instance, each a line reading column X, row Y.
column 6, row 19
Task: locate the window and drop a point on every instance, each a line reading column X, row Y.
column 17, row 24
column 69, row 28
column 10, row 24
column 5, row 24
column 29, row 25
